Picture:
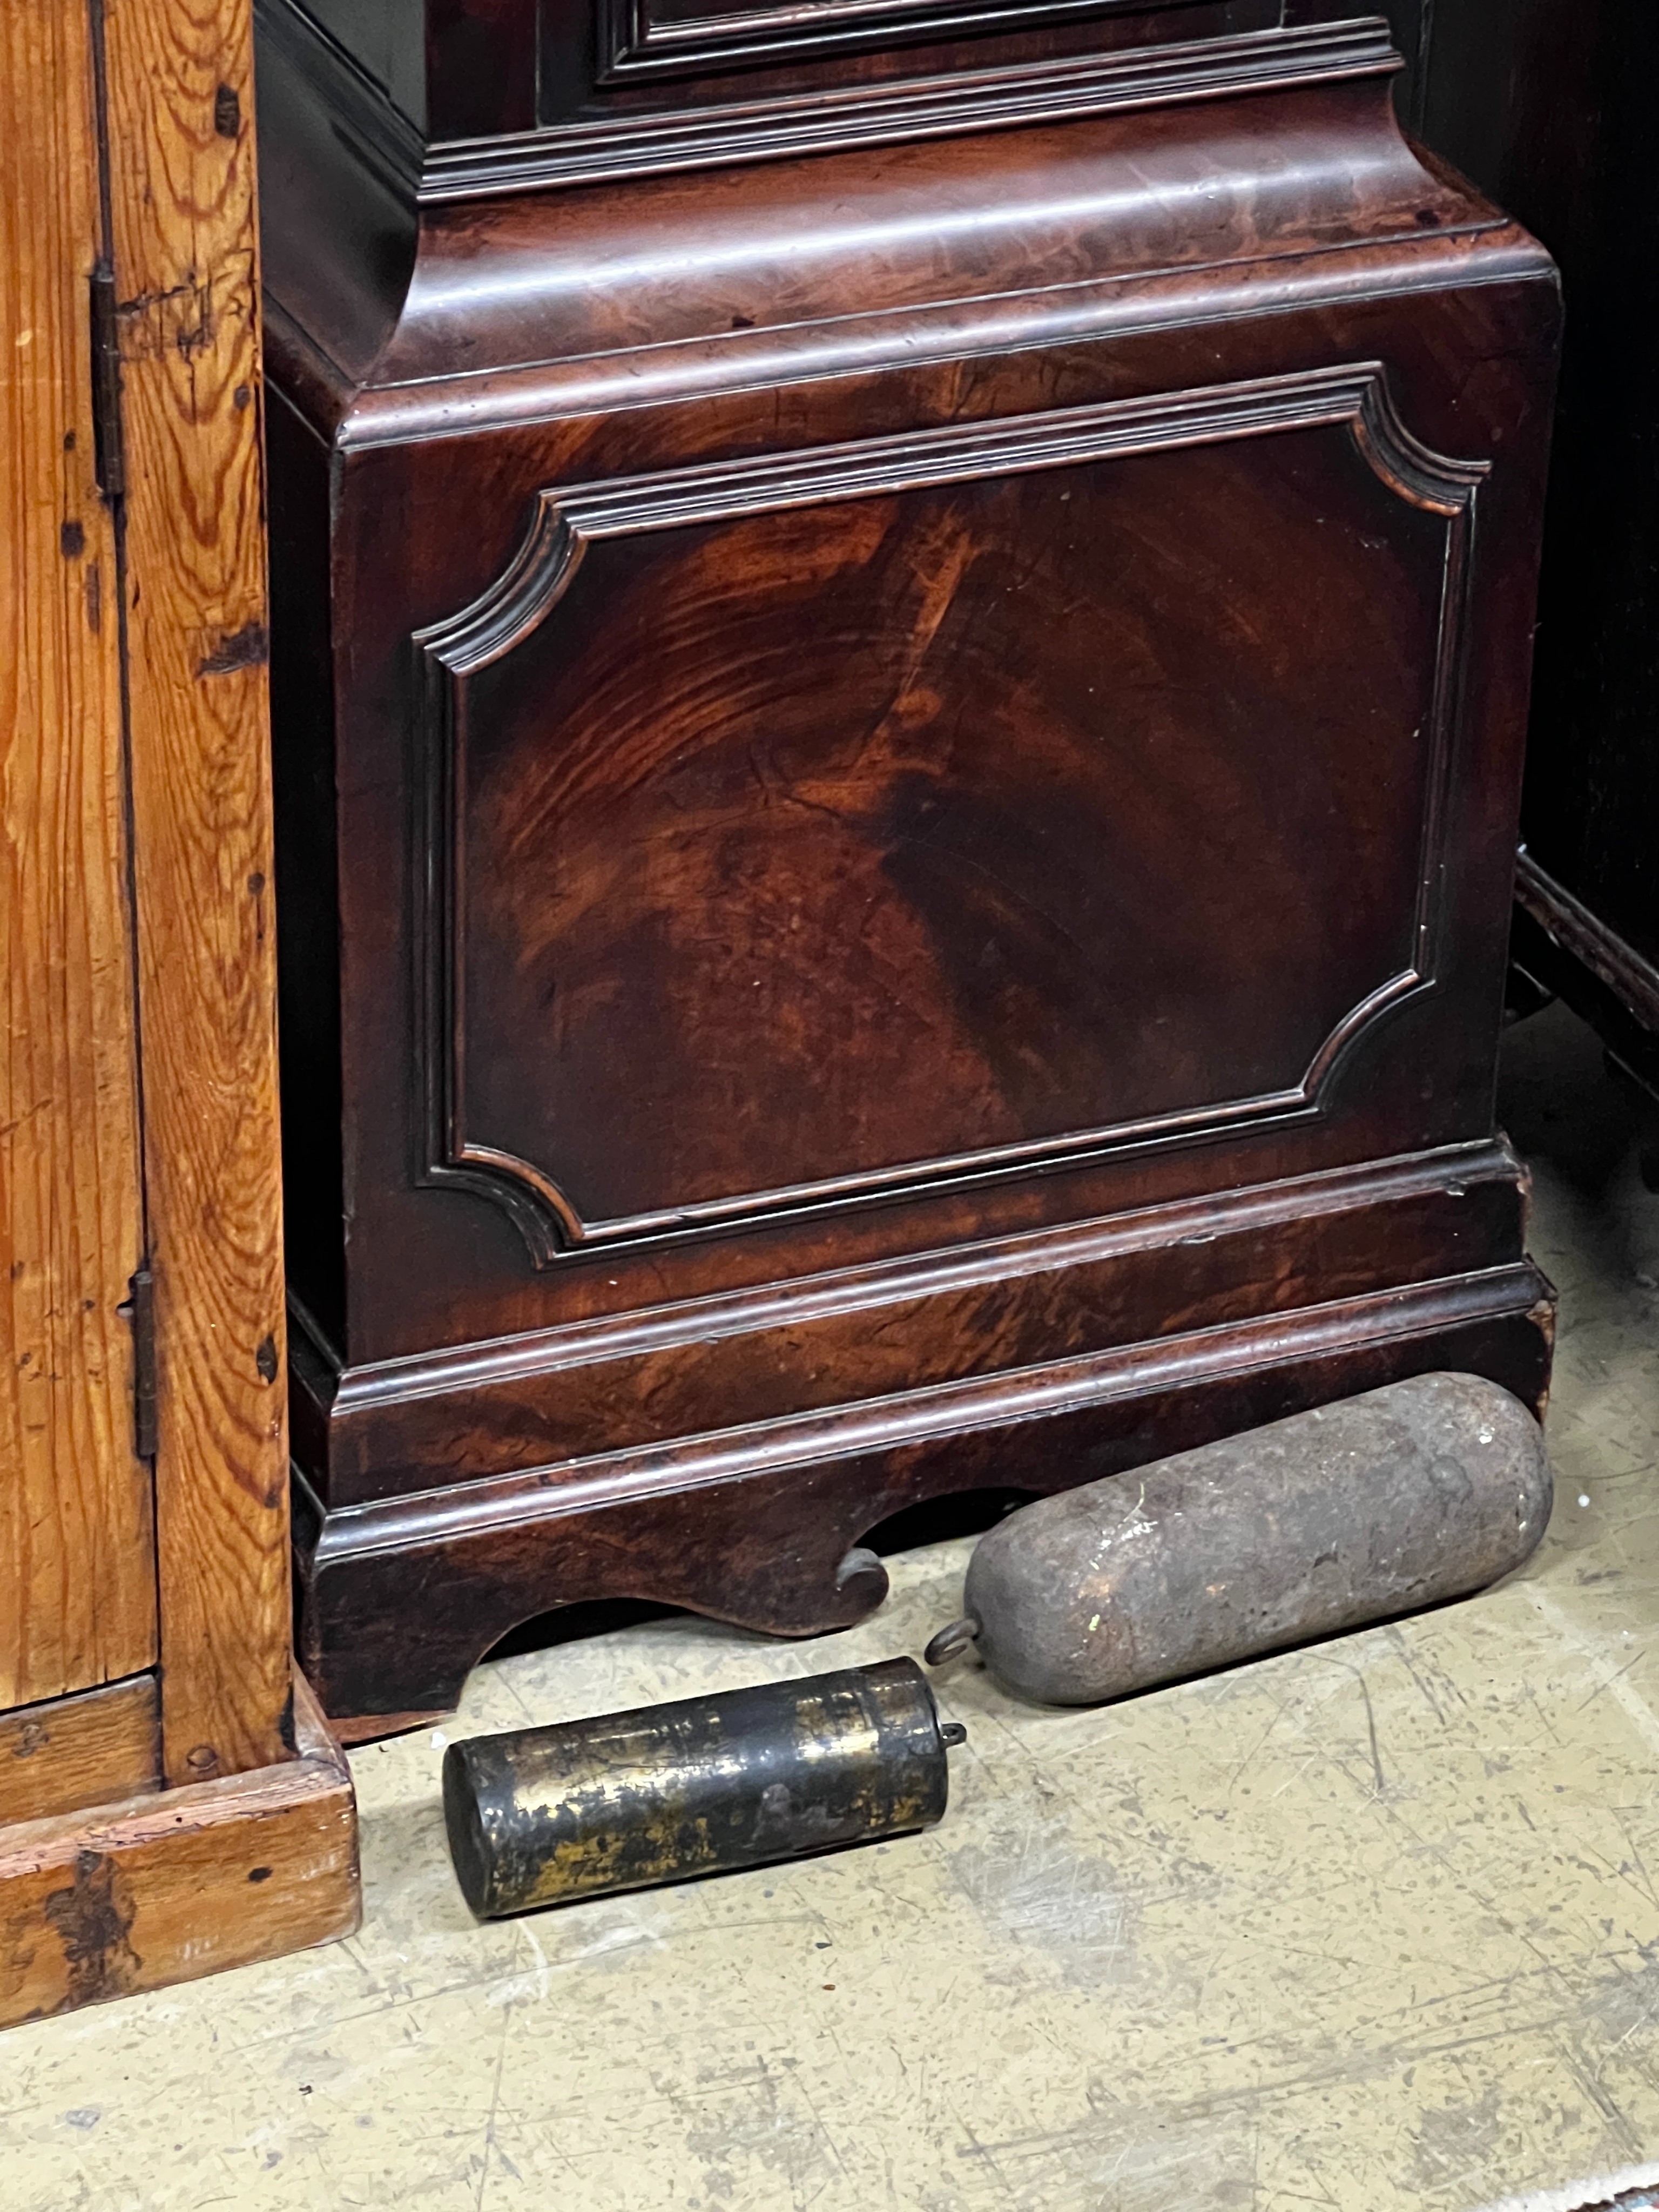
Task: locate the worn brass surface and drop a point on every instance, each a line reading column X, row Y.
column 665, row 1793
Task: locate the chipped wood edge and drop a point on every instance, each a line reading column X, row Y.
column 165, row 1888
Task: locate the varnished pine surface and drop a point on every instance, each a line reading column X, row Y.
column 182, row 166
column 76, row 1574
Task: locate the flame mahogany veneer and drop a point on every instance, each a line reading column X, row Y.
column 900, row 655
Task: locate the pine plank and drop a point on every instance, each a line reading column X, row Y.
column 181, row 157
column 95, row 1748
column 78, row 1600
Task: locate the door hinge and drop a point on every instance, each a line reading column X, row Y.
column 106, row 382
column 140, row 1309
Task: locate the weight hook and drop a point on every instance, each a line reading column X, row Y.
column 952, row 1641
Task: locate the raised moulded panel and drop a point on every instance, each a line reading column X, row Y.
column 848, row 820
column 644, row 38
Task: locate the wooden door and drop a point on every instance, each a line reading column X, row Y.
column 143, row 1528
column 77, row 1573
column 144, row 1579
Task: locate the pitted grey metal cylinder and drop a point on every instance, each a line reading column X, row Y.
column 1379, row 1505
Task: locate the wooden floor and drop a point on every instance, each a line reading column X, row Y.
column 1370, row 1925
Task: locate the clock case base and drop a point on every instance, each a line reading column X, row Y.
column 635, row 1303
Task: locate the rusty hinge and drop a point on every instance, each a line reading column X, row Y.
column 106, row 382
column 139, row 1308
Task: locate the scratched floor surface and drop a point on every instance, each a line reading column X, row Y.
column 1369, row 1924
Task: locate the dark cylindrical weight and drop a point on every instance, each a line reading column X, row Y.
column 668, row 1792
column 1355, row 1512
